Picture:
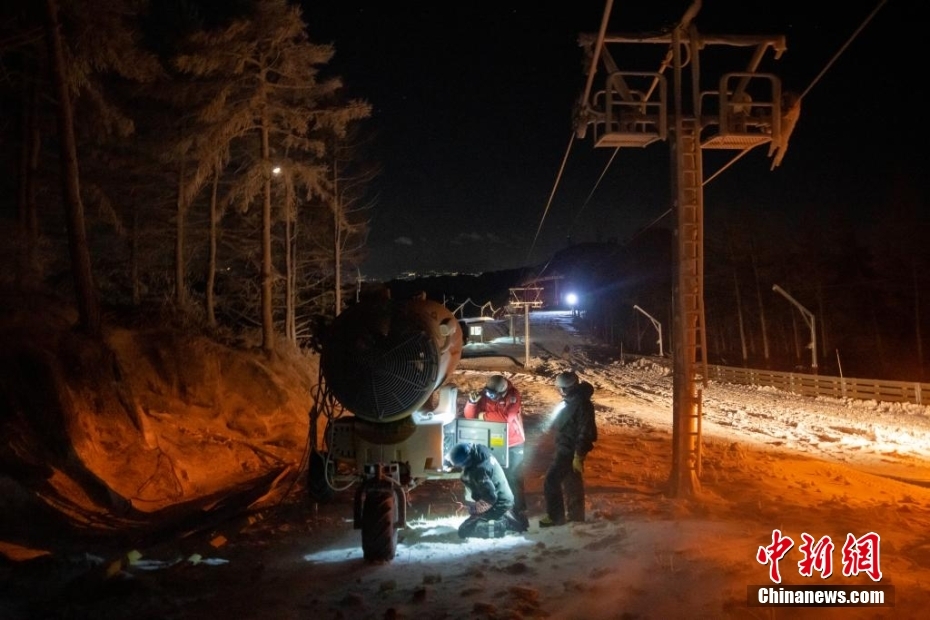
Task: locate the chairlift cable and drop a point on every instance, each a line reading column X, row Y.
column 593, row 189
column 555, row 186
column 607, row 11
column 843, row 48
column 608, row 8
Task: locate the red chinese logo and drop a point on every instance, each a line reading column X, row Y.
column 859, row 555
column 773, row 553
column 817, row 556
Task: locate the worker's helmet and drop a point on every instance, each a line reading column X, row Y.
column 496, row 387
column 566, row 382
column 460, row 454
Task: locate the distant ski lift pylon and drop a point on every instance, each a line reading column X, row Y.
column 526, row 297
column 633, row 112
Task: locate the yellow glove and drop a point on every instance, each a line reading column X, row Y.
column 481, row 416
column 578, row 463
column 474, row 396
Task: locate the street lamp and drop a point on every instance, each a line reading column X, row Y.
column 572, row 300
column 809, row 319
column 655, row 324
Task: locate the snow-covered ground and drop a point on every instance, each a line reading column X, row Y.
column 855, row 431
column 642, row 554
column 770, row 460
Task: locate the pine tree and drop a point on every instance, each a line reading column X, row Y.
column 270, row 102
column 99, row 41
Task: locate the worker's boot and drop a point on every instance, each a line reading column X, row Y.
column 548, row 521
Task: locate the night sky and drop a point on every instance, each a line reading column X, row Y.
column 473, row 115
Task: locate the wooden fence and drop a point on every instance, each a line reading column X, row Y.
column 818, row 385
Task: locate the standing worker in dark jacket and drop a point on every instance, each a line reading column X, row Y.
column 488, row 493
column 500, row 401
column 576, row 432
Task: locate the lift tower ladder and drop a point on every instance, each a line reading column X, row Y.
column 688, row 331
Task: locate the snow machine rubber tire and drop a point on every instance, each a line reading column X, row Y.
column 320, row 471
column 379, row 536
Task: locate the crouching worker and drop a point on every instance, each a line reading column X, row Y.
column 487, row 493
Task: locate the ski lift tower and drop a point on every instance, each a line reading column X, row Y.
column 526, row 297
column 738, row 110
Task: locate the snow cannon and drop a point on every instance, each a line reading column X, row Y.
column 389, row 364
column 383, row 360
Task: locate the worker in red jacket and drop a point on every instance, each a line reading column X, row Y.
column 500, row 401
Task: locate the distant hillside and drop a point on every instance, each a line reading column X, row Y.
column 491, row 287
column 594, row 270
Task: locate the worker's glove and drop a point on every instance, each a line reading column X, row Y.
column 578, row 463
column 474, row 396
column 481, row 416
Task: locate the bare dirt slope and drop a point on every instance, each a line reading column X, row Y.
column 149, row 429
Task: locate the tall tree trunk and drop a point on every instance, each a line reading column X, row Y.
column 211, row 262
column 32, row 176
column 740, row 320
column 290, row 235
column 879, row 341
column 85, row 290
column 762, row 325
column 266, row 302
column 31, row 142
column 826, row 343
column 180, row 266
column 741, row 323
column 290, row 322
column 24, row 121
column 134, row 259
column 25, row 200
column 917, row 332
column 337, row 241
